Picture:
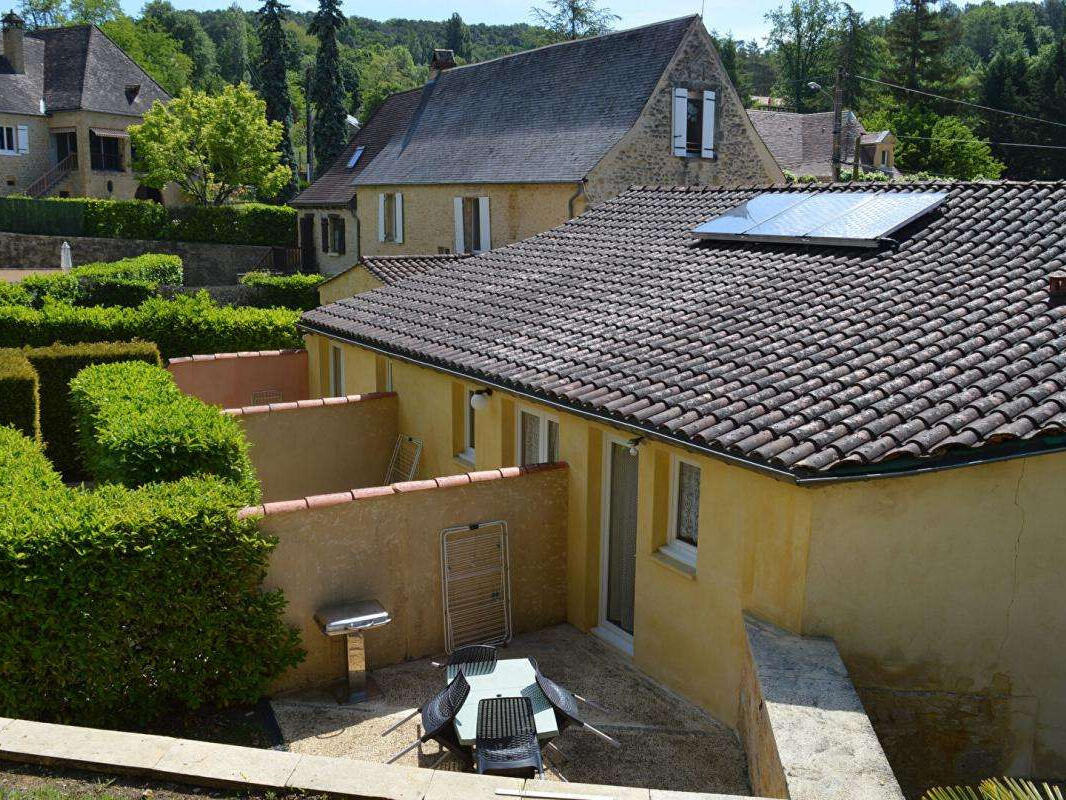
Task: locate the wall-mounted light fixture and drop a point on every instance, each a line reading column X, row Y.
column 634, row 444
column 479, row 400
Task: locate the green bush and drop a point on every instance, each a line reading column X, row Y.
column 128, row 282
column 182, row 326
column 19, row 394
column 284, row 291
column 121, row 606
column 61, row 286
column 55, row 367
column 242, row 223
column 135, row 426
column 14, row 294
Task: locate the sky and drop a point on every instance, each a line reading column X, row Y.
column 745, row 19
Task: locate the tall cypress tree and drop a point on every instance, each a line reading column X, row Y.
column 274, row 84
column 327, row 87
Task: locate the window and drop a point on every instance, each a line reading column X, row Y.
column 14, row 139
column 334, row 231
column 472, row 225
column 469, row 427
column 355, row 157
column 390, row 217
column 336, row 371
column 538, row 438
column 694, row 122
column 105, row 153
column 66, row 144
column 884, row 158
column 683, row 529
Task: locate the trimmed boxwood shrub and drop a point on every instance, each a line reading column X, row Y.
column 241, row 223
column 123, row 219
column 283, row 291
column 14, row 294
column 181, row 326
column 135, row 426
column 18, row 393
column 121, row 606
column 55, row 367
column 128, row 282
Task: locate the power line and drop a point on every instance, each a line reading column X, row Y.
column 980, row 141
column 962, row 102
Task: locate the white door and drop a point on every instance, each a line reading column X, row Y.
column 619, row 544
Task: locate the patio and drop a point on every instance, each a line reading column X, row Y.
column 667, row 743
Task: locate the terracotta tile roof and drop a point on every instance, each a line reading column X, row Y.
column 792, row 357
column 390, row 269
column 76, row 67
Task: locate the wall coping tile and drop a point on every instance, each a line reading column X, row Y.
column 320, row 402
column 241, row 354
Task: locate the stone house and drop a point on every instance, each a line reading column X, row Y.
column 67, row 96
column 803, row 143
column 491, row 153
column 858, row 438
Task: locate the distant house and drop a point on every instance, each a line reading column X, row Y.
column 803, row 143
column 67, row 97
column 490, row 153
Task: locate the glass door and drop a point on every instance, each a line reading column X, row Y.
column 620, row 539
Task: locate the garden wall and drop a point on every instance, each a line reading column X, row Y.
column 317, row 446
column 384, row 543
column 233, row 380
column 205, row 264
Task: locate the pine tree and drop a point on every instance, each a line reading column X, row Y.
column 457, row 37
column 919, row 37
column 274, row 85
column 327, row 88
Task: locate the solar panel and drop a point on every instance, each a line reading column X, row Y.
column 856, row 219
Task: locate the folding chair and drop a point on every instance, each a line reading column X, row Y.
column 438, row 721
column 507, row 736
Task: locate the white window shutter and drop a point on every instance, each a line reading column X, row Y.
column 710, row 108
column 24, row 139
column 381, row 217
column 485, row 223
column 398, row 222
column 460, row 245
column 680, row 120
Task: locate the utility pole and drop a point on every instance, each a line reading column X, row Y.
column 858, row 153
column 307, row 123
column 838, row 112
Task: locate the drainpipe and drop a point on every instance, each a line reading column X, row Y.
column 580, row 191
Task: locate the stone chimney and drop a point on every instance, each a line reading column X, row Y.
column 442, row 60
column 14, row 29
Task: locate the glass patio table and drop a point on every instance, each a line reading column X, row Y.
column 513, row 677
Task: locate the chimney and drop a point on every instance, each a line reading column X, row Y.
column 442, row 60
column 14, row 28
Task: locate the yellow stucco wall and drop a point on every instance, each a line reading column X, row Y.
column 347, row 284
column 516, row 211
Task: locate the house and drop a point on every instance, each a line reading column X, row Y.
column 374, row 271
column 860, row 437
column 67, row 97
column 492, row 153
column 803, row 143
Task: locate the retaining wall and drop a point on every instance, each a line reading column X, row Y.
column 235, row 380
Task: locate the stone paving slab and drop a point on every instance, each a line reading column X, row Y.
column 468, row 786
column 45, row 743
column 359, row 778
column 227, row 764
column 592, row 790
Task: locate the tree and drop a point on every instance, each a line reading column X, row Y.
column 232, row 50
column 729, row 53
column 155, row 51
column 93, row 12
column 43, row 13
column 803, row 35
column 274, row 83
column 918, row 37
column 457, row 36
column 575, row 19
column 384, row 71
column 212, row 146
column 186, row 28
column 861, row 51
column 956, row 152
column 327, row 89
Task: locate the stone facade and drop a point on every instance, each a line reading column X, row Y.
column 328, row 261
column 205, row 264
column 645, row 153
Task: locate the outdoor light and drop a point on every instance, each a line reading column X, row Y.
column 634, row 444
column 814, row 87
column 479, row 400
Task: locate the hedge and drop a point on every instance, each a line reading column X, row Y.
column 19, row 394
column 283, row 291
column 128, row 282
column 181, row 326
column 14, row 294
column 243, row 223
column 135, row 426
column 55, row 367
column 123, row 606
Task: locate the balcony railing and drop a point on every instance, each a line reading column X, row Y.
column 44, row 184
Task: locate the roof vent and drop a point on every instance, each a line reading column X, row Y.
column 1057, row 289
column 132, row 90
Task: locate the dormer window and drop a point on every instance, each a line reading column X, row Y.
column 132, row 90
column 694, row 113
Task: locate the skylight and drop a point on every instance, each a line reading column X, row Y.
column 355, row 156
column 847, row 219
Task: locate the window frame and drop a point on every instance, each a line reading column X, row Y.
column 884, row 158
column 389, row 217
column 11, row 136
column 706, row 100
column 335, row 223
column 677, row 548
column 543, row 420
column 469, row 442
column 336, row 370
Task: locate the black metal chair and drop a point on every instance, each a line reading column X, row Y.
column 473, row 659
column 438, row 721
column 507, row 737
column 564, row 704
